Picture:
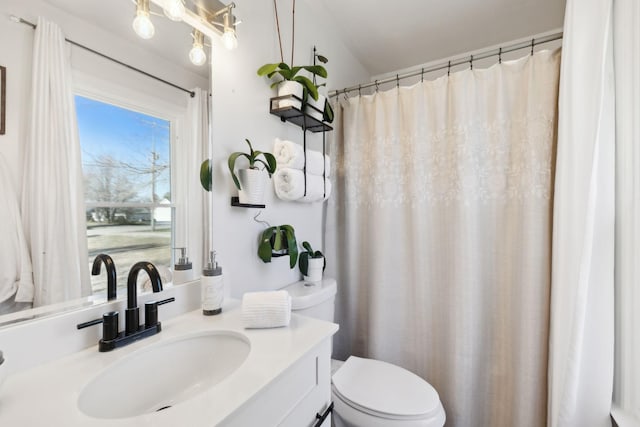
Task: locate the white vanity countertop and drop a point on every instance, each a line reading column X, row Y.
column 48, row 394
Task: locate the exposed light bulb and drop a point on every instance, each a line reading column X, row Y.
column 229, row 38
column 174, row 10
column 142, row 24
column 196, row 54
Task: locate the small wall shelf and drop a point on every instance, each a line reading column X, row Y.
column 296, row 116
column 235, row 201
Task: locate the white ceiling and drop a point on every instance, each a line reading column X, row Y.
column 391, row 35
column 384, row 35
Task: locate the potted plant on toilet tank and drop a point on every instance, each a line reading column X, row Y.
column 311, row 263
column 250, row 182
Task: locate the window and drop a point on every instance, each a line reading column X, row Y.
column 126, row 160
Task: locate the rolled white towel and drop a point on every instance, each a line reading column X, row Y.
column 289, row 185
column 266, row 309
column 291, row 155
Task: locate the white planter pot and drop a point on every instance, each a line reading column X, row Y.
column 252, row 184
column 314, row 270
column 319, row 105
column 290, row 88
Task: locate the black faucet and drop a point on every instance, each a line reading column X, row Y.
column 111, row 273
column 133, row 330
column 132, row 313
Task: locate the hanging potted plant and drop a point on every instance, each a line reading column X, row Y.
column 311, row 263
column 289, row 82
column 250, row 182
column 278, row 241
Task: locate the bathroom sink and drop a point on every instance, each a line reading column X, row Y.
column 164, row 374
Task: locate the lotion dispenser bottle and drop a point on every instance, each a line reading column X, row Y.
column 183, row 269
column 212, row 287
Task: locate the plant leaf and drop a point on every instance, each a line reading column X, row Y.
column 250, row 147
column 264, row 249
column 292, row 244
column 232, row 163
column 322, row 59
column 273, row 164
column 277, row 240
column 318, row 70
column 307, row 246
column 303, row 263
column 328, row 112
column 268, row 69
column 206, row 176
column 308, row 84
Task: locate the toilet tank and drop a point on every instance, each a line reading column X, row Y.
column 313, row 299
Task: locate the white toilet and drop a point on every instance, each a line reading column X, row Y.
column 367, row 392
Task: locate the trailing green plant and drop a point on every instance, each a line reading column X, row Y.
column 290, row 73
column 206, row 175
column 278, row 241
column 252, row 157
column 303, row 259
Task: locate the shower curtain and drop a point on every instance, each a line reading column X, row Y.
column 439, row 234
column 52, row 195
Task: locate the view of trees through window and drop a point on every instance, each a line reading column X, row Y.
column 126, row 166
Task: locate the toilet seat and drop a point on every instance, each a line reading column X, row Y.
column 385, row 391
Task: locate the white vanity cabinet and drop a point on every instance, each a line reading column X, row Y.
column 294, row 398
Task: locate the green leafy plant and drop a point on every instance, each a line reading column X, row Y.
column 290, row 73
column 303, row 260
column 206, row 175
column 278, row 241
column 252, row 157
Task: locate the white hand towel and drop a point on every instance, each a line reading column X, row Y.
column 289, row 186
column 266, row 309
column 291, row 155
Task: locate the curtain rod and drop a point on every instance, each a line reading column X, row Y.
column 448, row 64
column 32, row 25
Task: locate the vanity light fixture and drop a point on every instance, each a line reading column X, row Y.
column 197, row 54
column 142, row 23
column 174, row 10
column 229, row 38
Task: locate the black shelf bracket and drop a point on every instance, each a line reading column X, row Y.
column 235, row 201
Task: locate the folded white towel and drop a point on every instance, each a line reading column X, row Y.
column 289, row 185
column 291, row 155
column 266, row 309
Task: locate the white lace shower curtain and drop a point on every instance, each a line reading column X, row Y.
column 52, row 197
column 439, row 234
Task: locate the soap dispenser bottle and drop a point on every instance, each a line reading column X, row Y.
column 183, row 269
column 212, row 287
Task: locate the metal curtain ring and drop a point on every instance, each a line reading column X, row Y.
column 397, row 81
column 532, row 44
column 422, row 75
column 449, row 69
column 500, row 56
column 471, row 62
column 376, row 82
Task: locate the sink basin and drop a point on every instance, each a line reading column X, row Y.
column 164, row 374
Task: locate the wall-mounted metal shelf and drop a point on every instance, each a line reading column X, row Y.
column 235, row 201
column 296, row 116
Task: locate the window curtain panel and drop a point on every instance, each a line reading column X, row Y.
column 439, row 234
column 190, row 212
column 53, row 196
column 582, row 334
column 626, row 39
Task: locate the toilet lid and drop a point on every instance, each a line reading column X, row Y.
column 385, row 390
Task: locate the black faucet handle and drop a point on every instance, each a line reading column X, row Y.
column 151, row 311
column 109, row 322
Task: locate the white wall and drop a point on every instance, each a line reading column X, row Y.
column 240, row 110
